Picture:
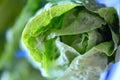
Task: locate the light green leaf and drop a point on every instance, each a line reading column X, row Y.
column 37, row 25
column 84, row 22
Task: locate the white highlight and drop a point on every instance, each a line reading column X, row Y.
column 5, row 76
column 9, row 35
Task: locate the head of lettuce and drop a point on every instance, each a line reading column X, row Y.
column 73, row 42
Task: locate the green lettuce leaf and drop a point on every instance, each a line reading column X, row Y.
column 90, row 65
column 37, row 26
column 64, row 33
column 86, row 67
column 111, row 17
column 117, row 55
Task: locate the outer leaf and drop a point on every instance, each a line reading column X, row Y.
column 48, row 14
column 86, row 67
column 90, row 65
column 36, row 26
column 111, row 17
column 42, row 44
column 92, row 21
column 117, row 56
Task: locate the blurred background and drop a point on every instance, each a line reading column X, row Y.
column 15, row 61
